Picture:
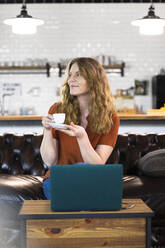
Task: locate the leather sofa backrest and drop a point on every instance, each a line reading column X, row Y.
column 130, row 147
column 20, row 153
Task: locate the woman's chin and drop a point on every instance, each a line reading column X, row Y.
column 73, row 93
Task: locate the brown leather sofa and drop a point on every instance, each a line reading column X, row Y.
column 22, row 171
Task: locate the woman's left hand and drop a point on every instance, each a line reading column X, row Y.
column 74, row 130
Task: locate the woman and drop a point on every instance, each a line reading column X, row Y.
column 92, row 125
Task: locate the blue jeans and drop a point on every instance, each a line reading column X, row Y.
column 46, row 186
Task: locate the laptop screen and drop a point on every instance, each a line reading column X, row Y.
column 86, row 187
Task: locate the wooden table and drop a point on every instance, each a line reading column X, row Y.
column 125, row 228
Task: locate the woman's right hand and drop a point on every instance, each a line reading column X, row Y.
column 46, row 120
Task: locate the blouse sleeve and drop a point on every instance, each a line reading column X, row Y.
column 111, row 137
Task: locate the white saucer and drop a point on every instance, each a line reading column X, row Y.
column 58, row 125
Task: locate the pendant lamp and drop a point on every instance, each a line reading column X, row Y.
column 150, row 24
column 24, row 23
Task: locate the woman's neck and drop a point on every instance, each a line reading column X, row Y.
column 83, row 103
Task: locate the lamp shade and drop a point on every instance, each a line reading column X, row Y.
column 24, row 23
column 150, row 24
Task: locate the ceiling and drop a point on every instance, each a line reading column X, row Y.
column 80, row 1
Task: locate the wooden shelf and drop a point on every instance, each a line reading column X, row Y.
column 45, row 69
column 118, row 68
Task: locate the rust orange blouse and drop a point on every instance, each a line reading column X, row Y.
column 69, row 151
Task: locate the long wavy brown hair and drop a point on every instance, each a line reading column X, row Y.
column 101, row 105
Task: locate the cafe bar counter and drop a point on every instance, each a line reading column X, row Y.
column 139, row 123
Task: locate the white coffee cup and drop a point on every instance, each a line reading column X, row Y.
column 59, row 118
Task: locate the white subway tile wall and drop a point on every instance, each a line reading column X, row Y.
column 73, row 30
